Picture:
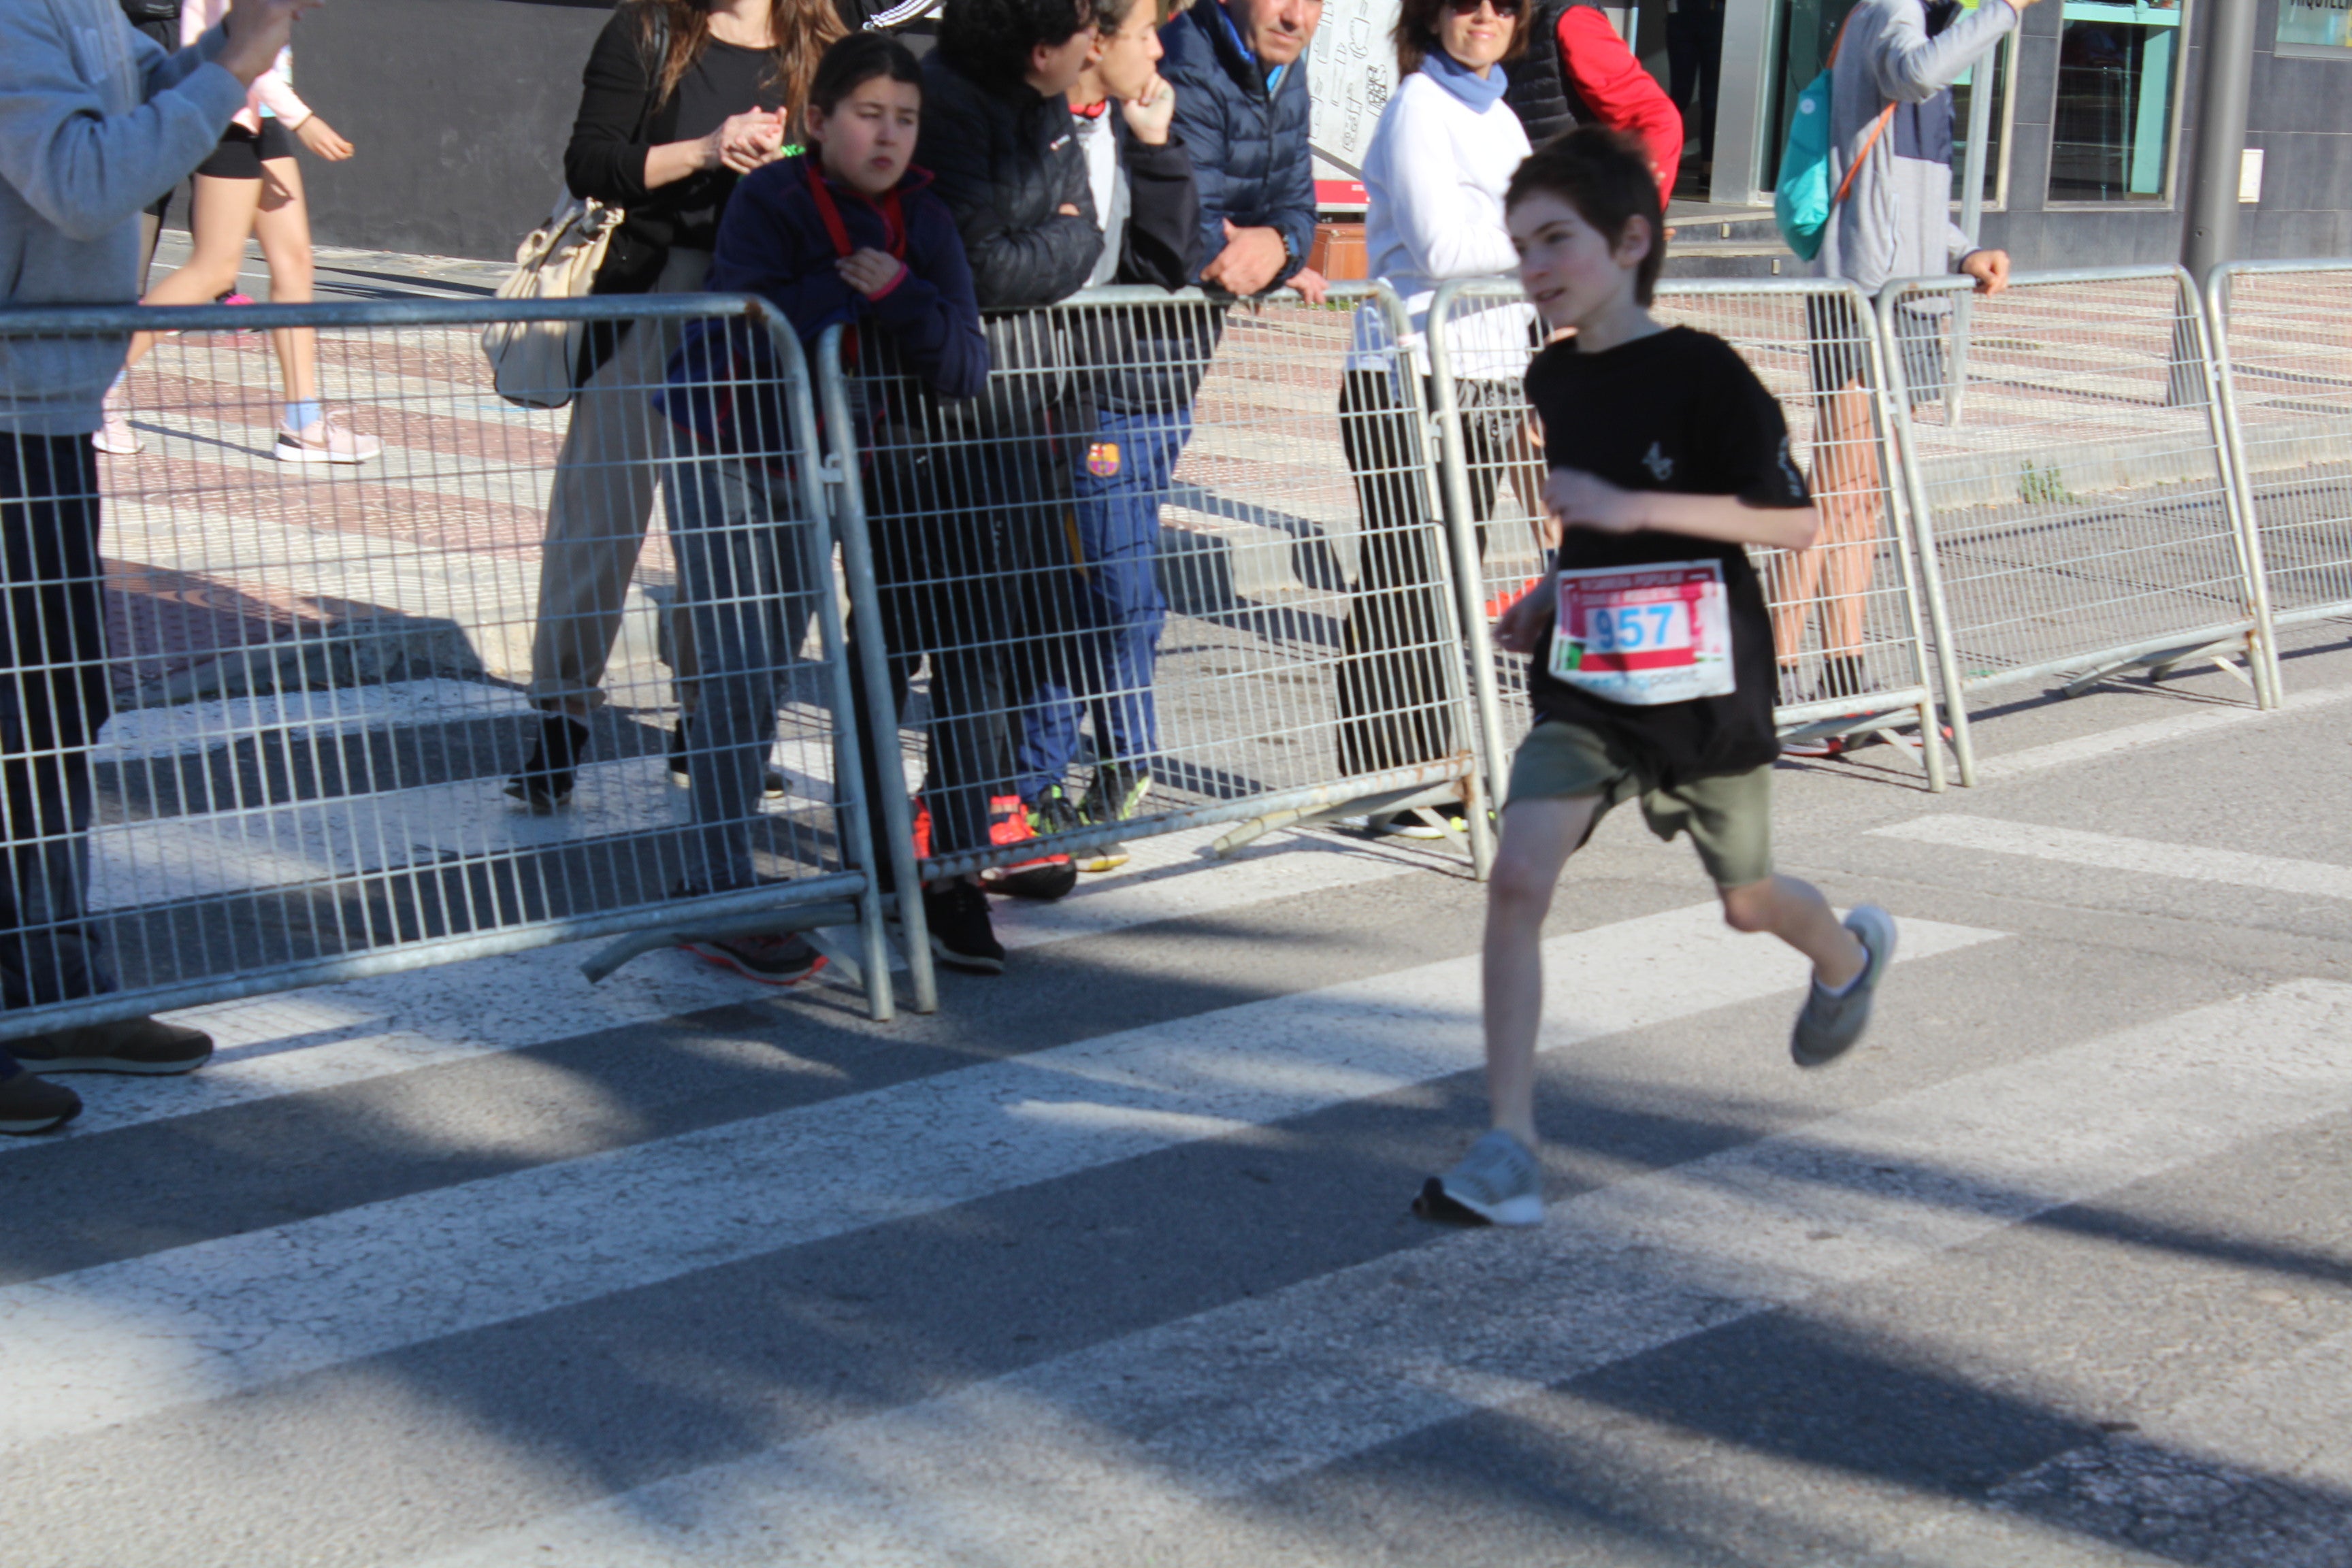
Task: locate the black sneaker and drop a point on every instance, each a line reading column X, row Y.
column 961, row 934
column 681, row 767
column 545, row 781
column 27, row 1105
column 145, row 1045
column 785, row 959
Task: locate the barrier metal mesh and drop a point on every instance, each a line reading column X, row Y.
column 1179, row 565
column 2285, row 356
column 1846, row 616
column 319, row 658
column 2068, row 471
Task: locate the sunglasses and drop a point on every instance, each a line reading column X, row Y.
column 1470, row 7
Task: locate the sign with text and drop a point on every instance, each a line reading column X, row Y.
column 1351, row 70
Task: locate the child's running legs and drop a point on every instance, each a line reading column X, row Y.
column 1797, row 913
column 1538, row 836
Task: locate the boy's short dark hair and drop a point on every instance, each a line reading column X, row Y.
column 853, row 62
column 1605, row 175
column 990, row 40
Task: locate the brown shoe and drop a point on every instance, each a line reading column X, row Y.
column 132, row 1044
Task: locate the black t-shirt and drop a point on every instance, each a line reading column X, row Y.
column 726, row 80
column 1676, row 410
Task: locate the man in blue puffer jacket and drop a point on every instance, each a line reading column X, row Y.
column 1239, row 72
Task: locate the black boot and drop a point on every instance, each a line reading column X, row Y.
column 773, row 783
column 545, row 781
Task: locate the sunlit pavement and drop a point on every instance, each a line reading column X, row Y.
column 1109, row 1261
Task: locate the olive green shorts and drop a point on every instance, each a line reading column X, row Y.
column 1729, row 819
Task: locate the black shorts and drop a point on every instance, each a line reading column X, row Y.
column 1839, row 359
column 242, row 152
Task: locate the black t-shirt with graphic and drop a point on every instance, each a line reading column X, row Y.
column 1676, row 410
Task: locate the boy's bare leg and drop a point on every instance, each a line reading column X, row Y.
column 1796, row 912
column 1539, row 836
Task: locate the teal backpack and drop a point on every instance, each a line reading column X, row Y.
column 1802, row 201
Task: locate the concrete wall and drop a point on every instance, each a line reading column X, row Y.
column 459, row 109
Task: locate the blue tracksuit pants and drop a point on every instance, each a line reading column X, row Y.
column 1117, row 486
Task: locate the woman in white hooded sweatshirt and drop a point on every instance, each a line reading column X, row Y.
column 252, row 186
column 1439, row 162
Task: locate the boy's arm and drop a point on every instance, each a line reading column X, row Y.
column 758, row 252
column 1037, row 266
column 1162, row 243
column 1585, row 500
column 936, row 320
column 84, row 170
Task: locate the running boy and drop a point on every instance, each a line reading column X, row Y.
column 1652, row 668
column 844, row 234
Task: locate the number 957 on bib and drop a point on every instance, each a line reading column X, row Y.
column 1645, row 635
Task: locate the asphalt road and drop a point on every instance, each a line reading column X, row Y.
column 1109, row 1261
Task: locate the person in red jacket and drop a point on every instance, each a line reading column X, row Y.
column 1577, row 71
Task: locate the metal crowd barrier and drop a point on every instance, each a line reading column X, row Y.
column 2282, row 345
column 320, row 672
column 1246, row 552
column 1846, row 613
column 2083, row 520
column 1179, row 540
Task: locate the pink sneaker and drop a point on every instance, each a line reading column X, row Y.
column 326, row 441
column 114, row 435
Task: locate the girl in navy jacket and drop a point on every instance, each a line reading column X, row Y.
column 846, row 234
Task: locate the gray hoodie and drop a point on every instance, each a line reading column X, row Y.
column 95, row 121
column 1896, row 220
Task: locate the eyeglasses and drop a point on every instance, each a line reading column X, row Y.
column 1470, row 7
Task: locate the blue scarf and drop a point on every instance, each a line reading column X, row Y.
column 1481, row 93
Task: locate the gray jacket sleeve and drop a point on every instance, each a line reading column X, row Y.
column 80, row 167
column 1912, row 68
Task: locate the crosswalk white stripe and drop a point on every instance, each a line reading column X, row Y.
column 2155, row 732
column 1080, row 1459
column 326, row 1037
column 121, row 1339
column 2192, row 862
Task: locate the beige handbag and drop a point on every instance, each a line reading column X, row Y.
column 534, row 362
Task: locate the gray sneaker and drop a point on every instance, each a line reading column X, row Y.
column 1498, row 1182
column 1828, row 1026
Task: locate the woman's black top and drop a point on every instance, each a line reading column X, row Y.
column 618, row 123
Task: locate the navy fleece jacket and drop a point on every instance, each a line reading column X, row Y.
column 774, row 243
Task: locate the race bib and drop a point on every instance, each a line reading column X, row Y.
column 1644, row 634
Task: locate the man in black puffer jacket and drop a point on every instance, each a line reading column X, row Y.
column 991, row 506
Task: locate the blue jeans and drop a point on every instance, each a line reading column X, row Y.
column 749, row 576
column 1117, row 486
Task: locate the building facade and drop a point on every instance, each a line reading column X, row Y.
column 460, row 109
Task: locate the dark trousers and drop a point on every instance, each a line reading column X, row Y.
column 1394, row 703
column 972, row 572
column 54, row 697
